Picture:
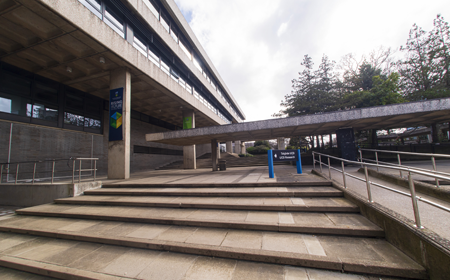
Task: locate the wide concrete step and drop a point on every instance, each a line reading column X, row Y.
column 350, row 224
column 317, row 191
column 295, row 204
column 102, row 249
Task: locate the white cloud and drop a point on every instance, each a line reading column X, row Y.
column 257, row 45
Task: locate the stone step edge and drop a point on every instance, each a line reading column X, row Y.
column 52, row 270
column 258, row 255
column 225, row 185
column 217, row 194
column 278, row 208
column 363, row 232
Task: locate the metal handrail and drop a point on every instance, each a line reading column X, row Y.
column 53, row 169
column 433, row 160
column 412, row 194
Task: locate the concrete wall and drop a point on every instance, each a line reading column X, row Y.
column 31, row 142
column 23, row 195
column 201, row 149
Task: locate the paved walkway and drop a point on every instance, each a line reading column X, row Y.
column 432, row 218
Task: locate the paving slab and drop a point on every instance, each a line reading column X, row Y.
column 257, row 220
column 251, row 245
column 250, row 203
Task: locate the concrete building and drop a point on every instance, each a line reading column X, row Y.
column 61, row 61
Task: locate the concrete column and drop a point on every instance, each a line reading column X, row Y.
column 374, row 138
column 317, row 141
column 214, row 152
column 331, row 141
column 434, row 133
column 281, row 143
column 229, row 145
column 237, row 147
column 119, row 151
column 218, row 151
column 243, row 150
column 189, row 155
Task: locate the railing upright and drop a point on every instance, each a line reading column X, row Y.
column 343, row 174
column 434, row 168
column 53, row 171
column 376, row 158
column 79, row 173
column 414, row 201
column 95, row 168
column 369, row 192
column 329, row 168
column 34, row 173
column 320, row 163
column 17, row 173
column 314, row 160
column 399, row 163
column 73, row 171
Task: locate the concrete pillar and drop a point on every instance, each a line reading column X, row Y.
column 317, row 141
column 229, row 145
column 119, row 151
column 374, row 138
column 281, row 143
column 189, row 155
column 331, row 141
column 243, row 150
column 434, row 133
column 214, row 152
column 237, row 147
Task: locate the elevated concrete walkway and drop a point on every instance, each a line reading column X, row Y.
column 380, row 117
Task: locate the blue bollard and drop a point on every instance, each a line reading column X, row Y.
column 270, row 158
column 299, row 163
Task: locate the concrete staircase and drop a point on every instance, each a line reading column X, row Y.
column 232, row 161
column 246, row 231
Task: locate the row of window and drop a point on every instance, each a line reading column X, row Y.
column 30, row 98
column 169, row 28
column 117, row 23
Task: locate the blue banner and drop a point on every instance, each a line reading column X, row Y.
column 115, row 114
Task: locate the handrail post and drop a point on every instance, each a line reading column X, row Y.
column 376, row 158
column 414, row 201
column 369, row 193
column 314, row 160
column 34, row 173
column 329, row 168
column 399, row 163
column 320, row 162
column 95, row 168
column 73, row 172
column 53, row 170
column 434, row 167
column 79, row 173
column 343, row 174
column 17, row 173
column 1, row 174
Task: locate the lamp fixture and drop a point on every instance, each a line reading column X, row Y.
column 102, row 59
column 69, row 69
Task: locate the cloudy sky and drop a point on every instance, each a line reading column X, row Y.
column 257, row 45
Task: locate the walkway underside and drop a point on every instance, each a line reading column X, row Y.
column 382, row 117
column 304, row 230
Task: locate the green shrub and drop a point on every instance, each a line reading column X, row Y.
column 258, row 150
column 245, row 155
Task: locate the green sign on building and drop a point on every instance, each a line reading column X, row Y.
column 187, row 122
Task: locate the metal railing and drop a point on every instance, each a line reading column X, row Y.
column 5, row 169
column 412, row 193
column 432, row 156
